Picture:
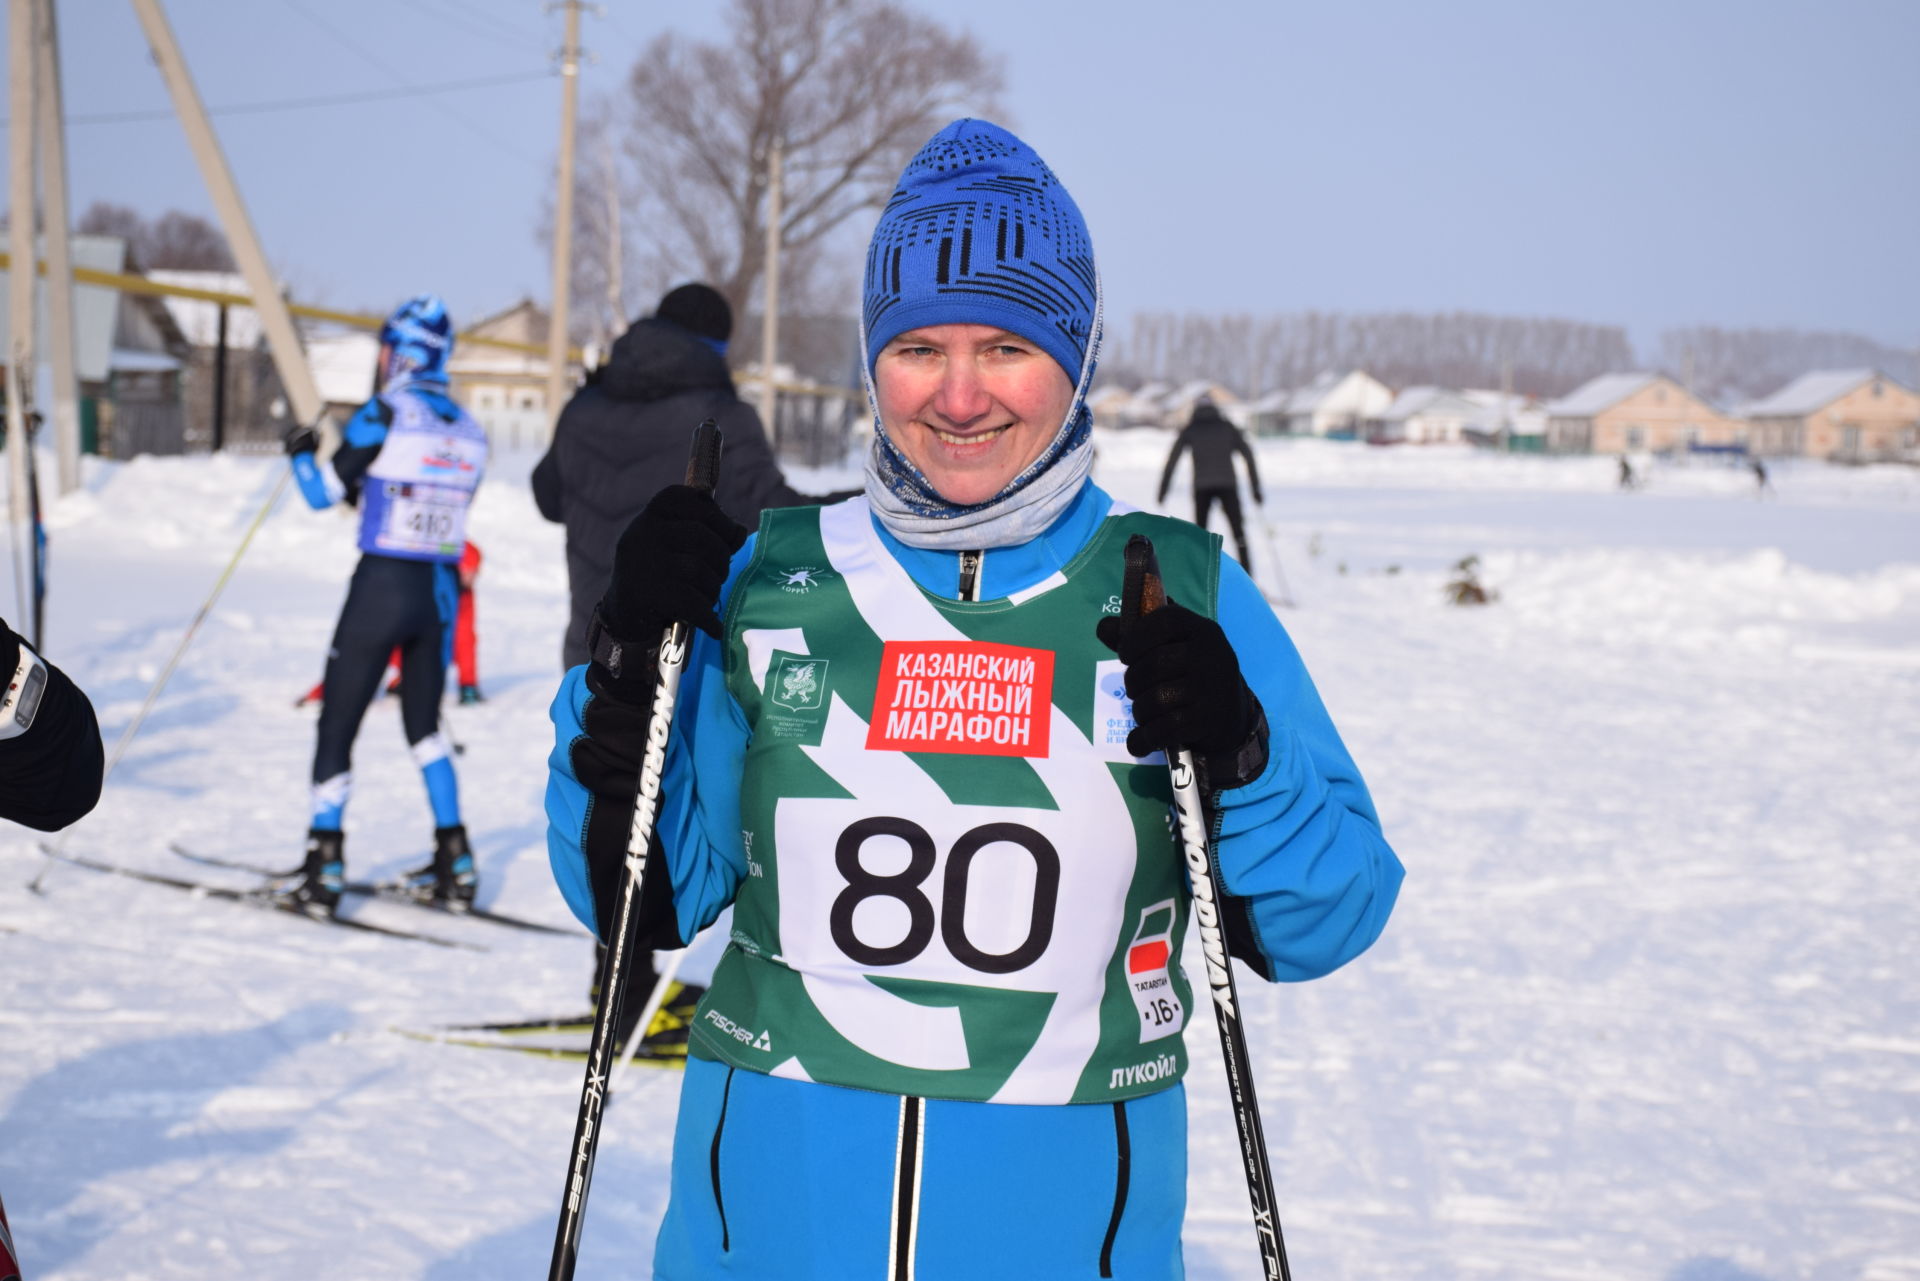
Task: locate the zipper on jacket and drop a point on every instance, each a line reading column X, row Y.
column 906, row 1188
column 970, row 574
column 1122, row 1176
column 713, row 1161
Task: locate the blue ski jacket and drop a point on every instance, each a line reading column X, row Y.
column 774, row 1178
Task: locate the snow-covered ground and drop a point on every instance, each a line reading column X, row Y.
column 1649, row 1008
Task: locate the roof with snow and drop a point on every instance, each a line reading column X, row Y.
column 1308, row 398
column 199, row 320
column 1812, row 392
column 1429, row 400
column 1599, row 394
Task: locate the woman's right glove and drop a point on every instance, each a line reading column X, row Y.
column 668, row 566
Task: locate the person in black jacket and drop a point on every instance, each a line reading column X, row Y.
column 1214, row 441
column 623, row 438
column 51, row 762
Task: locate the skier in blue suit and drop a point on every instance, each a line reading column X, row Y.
column 923, row 759
column 411, row 459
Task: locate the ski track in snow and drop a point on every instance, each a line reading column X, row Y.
column 1647, row 1008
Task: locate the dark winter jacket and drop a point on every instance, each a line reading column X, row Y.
column 1213, row 442
column 623, row 438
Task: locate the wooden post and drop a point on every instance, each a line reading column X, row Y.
column 21, row 280
column 282, row 339
column 563, row 219
column 55, row 223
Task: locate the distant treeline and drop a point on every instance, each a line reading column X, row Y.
column 1549, row 356
column 1734, row 365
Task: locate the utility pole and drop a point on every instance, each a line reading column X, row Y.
column 282, row 339
column 563, row 216
column 21, row 280
column 770, row 321
column 53, row 161
column 616, row 285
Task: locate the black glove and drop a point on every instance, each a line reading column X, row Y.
column 9, row 651
column 302, row 440
column 1187, row 692
column 668, row 566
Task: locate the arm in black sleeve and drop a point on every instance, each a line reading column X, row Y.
column 360, row 443
column 50, row 775
column 606, row 760
column 1180, row 446
column 546, row 478
column 750, row 479
column 1253, row 467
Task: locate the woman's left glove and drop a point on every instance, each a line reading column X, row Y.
column 1187, row 691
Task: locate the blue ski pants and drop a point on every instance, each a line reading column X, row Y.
column 781, row 1180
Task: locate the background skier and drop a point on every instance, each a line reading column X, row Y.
column 411, row 459
column 936, row 920
column 1213, row 442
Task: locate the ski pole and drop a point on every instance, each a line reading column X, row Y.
column 703, row 470
column 1273, row 555
column 179, row 652
column 1141, row 593
column 655, row 999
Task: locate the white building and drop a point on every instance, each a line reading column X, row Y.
column 1336, row 404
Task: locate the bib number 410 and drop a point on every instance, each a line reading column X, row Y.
column 905, row 886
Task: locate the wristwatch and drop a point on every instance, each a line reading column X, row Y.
column 25, row 688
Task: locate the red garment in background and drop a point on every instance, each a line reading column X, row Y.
column 466, row 643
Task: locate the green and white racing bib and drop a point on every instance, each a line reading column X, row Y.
column 959, row 883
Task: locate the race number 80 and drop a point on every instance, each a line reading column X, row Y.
column 905, row 886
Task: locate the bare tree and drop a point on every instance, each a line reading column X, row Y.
column 180, row 240
column 850, row 89
column 1458, row 349
column 1742, row 364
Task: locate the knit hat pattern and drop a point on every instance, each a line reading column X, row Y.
column 980, row 231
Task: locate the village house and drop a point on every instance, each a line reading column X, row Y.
column 1427, row 416
column 1631, row 413
column 1850, row 415
column 128, row 357
column 1335, row 404
column 503, row 388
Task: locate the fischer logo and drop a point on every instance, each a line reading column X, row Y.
column 1162, row 1067
column 728, row 1027
column 971, row 697
column 1193, row 843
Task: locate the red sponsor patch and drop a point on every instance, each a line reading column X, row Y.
column 1142, row 957
column 975, row 698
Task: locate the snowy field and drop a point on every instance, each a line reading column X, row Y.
column 1649, row 1009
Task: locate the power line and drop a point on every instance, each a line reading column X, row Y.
column 477, row 22
column 299, row 104
column 397, row 74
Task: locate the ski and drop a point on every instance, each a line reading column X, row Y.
column 676, row 1012
column 393, row 891
column 250, row 898
column 570, row 1053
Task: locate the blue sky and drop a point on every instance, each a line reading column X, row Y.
column 1644, row 164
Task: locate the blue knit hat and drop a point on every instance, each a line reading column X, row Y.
column 421, row 336
column 980, row 232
